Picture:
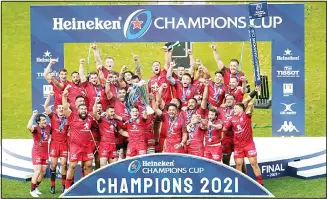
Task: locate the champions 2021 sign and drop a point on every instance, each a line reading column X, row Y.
column 166, row 175
column 53, row 26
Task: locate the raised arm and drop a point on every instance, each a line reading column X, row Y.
column 137, row 65
column 168, row 59
column 46, row 72
column 65, row 103
column 220, row 64
column 250, row 109
column 101, row 76
column 97, row 57
column 243, row 78
column 205, row 95
column 159, row 100
column 121, row 82
column 47, row 103
column 107, row 88
column 253, row 93
column 30, row 122
column 94, row 109
column 81, row 70
column 155, row 105
column 169, row 75
column 192, row 62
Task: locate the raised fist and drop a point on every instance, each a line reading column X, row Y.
column 82, row 61
column 51, row 93
column 164, row 85
column 52, row 61
column 94, row 46
column 189, row 52
column 97, row 99
column 135, row 57
column 172, row 64
column 123, row 69
column 35, row 112
column 213, row 47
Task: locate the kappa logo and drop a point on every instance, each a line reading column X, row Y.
column 288, row 127
column 134, row 166
column 288, row 109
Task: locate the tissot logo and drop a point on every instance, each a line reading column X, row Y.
column 288, row 72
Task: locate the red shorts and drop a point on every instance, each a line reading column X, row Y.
column 213, row 152
column 247, row 151
column 170, row 148
column 228, row 145
column 58, row 150
column 79, row 153
column 149, row 139
column 107, row 150
column 40, row 158
column 195, row 150
column 136, row 148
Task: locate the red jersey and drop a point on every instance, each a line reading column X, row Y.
column 156, row 81
column 59, row 128
column 196, row 135
column 80, row 130
column 149, row 123
column 185, row 94
column 225, row 114
column 242, row 129
column 237, row 92
column 136, row 130
column 95, row 129
column 76, row 90
column 120, row 107
column 114, row 89
column 174, row 128
column 216, row 93
column 228, row 75
column 41, row 139
column 108, row 129
column 93, row 91
column 187, row 115
column 213, row 135
column 58, row 93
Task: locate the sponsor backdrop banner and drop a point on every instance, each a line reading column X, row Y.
column 167, row 175
column 52, row 26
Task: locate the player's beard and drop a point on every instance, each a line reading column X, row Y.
column 82, row 116
column 77, row 82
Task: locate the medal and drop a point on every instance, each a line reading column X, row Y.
column 209, row 139
column 43, row 131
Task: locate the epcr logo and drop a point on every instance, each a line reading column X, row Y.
column 134, row 166
column 258, row 7
column 137, row 24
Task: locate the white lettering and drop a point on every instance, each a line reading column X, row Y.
column 100, row 182
column 96, row 23
column 147, row 184
column 112, row 185
column 137, row 183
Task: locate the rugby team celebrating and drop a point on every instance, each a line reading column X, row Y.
column 191, row 112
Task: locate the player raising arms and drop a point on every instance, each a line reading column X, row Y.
column 58, row 144
column 41, row 133
column 196, row 129
column 81, row 138
column 237, row 91
column 217, row 91
column 243, row 138
column 108, row 126
column 56, row 84
column 213, row 136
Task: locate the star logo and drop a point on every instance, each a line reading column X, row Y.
column 134, row 166
column 47, row 54
column 137, row 24
column 288, row 52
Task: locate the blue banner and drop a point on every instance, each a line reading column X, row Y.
column 288, row 89
column 52, row 26
column 167, row 175
column 258, row 10
column 255, row 57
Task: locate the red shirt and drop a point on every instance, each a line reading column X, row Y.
column 136, row 130
column 185, row 94
column 80, row 130
column 228, row 75
column 241, row 126
column 108, row 129
column 237, row 92
column 156, row 81
column 59, row 128
column 120, row 107
column 187, row 115
column 95, row 129
column 174, row 128
column 196, row 135
column 214, row 134
column 225, row 114
column 216, row 93
column 58, row 93
column 149, row 123
column 76, row 90
column 95, row 91
column 41, row 139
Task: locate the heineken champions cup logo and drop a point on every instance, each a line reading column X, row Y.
column 137, row 24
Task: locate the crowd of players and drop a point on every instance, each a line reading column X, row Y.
column 192, row 113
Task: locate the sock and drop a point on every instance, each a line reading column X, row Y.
column 33, row 186
column 38, row 183
column 259, row 179
column 53, row 178
column 73, row 180
column 83, row 174
column 68, row 183
column 63, row 179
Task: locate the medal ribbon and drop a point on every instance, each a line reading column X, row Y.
column 217, row 91
column 97, row 90
column 171, row 125
column 187, row 91
column 43, row 131
column 189, row 114
column 192, row 129
column 62, row 122
column 210, row 132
